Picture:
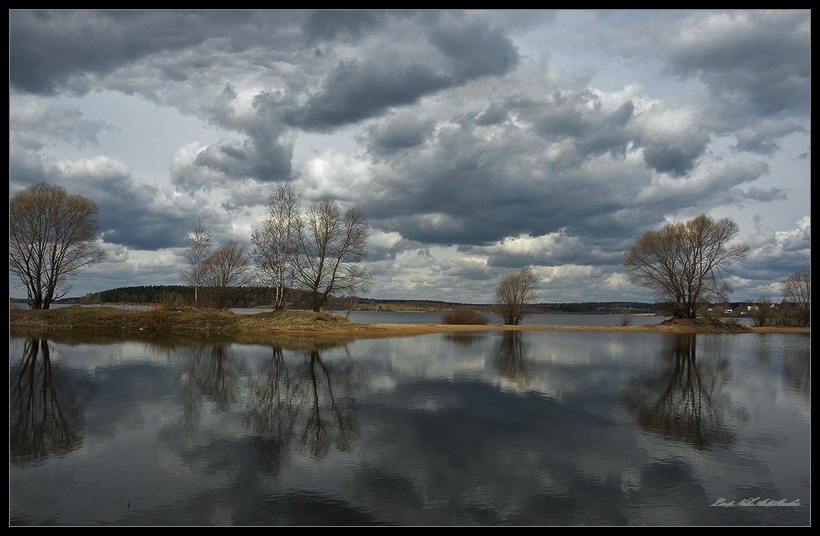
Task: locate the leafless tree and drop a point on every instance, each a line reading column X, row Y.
column 228, row 266
column 52, row 236
column 331, row 246
column 513, row 295
column 797, row 290
column 684, row 263
column 198, row 251
column 275, row 244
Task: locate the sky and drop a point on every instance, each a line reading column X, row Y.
column 477, row 143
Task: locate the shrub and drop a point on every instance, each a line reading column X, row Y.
column 626, row 319
column 465, row 316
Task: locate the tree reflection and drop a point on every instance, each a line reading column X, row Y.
column 45, row 411
column 683, row 400
column 305, row 401
column 511, row 358
column 797, row 371
column 211, row 373
column 273, row 409
column 465, row 338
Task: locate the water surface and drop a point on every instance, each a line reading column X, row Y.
column 495, row 428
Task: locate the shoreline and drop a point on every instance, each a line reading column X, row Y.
column 193, row 322
column 408, row 330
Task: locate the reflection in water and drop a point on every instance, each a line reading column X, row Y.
column 214, row 374
column 465, row 338
column 307, row 401
column 797, row 371
column 441, row 438
column 796, row 362
column 45, row 409
column 683, row 400
column 511, row 358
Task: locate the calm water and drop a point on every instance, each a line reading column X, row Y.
column 420, row 317
column 520, row 428
column 423, row 317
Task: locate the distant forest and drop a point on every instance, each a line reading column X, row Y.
column 249, row 297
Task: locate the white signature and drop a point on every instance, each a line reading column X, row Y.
column 755, row 501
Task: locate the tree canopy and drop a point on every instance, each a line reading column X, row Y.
column 52, row 236
column 684, row 263
column 513, row 295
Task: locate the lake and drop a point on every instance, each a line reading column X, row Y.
column 492, row 428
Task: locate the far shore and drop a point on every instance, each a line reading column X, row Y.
column 305, row 324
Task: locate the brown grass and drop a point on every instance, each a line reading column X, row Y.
column 465, row 315
column 261, row 327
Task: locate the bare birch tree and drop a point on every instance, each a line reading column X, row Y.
column 331, row 246
column 52, row 236
column 228, row 266
column 513, row 295
column 275, row 244
column 684, row 263
column 198, row 251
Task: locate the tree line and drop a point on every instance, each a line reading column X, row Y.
column 315, row 256
column 235, row 297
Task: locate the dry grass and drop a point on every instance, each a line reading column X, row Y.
column 465, row 316
column 295, row 325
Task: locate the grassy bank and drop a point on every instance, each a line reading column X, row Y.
column 299, row 324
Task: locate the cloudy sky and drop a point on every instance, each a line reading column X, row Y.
column 476, row 142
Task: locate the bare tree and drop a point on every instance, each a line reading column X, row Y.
column 198, row 251
column 275, row 244
column 797, row 290
column 684, row 263
column 52, row 236
column 513, row 295
column 331, row 246
column 228, row 266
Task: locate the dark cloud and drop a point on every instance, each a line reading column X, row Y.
column 248, row 159
column 758, row 194
column 676, row 156
column 130, row 214
column 346, row 25
column 46, row 48
column 753, row 69
column 265, row 156
column 468, row 187
column 26, row 167
column 357, row 90
column 494, row 115
column 762, row 138
column 50, row 50
column 399, row 132
column 474, row 50
column 758, row 61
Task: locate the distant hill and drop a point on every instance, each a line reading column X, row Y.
column 249, row 297
column 580, row 308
